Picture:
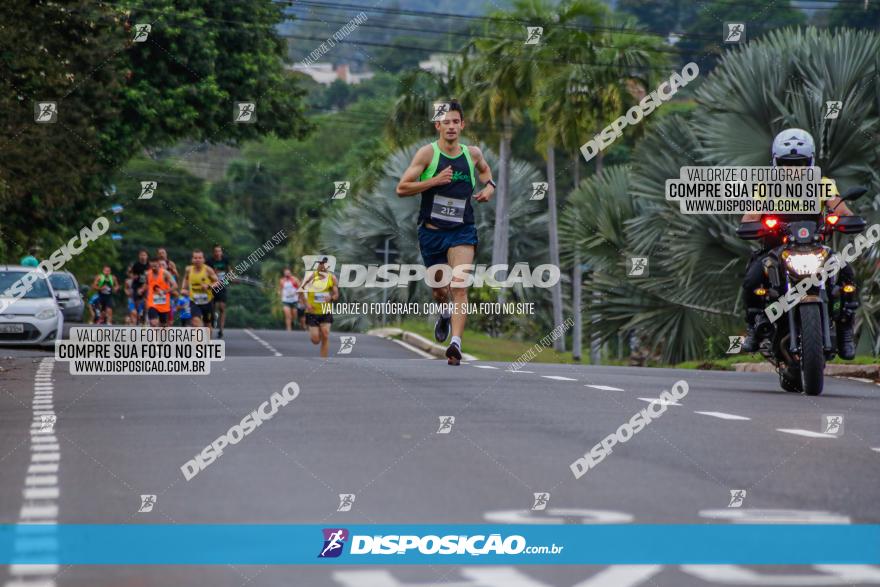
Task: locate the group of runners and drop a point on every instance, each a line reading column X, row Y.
column 158, row 293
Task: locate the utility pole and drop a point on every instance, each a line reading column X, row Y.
column 386, row 253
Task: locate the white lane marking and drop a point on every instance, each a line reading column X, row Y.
column 807, row 433
column 498, row 576
column 45, row 457
column 828, row 575
column 661, row 401
column 43, row 468
column 41, row 480
column 558, row 378
column 485, row 367
column 29, row 513
column 517, row 371
column 775, row 516
column 42, row 583
column 558, row 516
column 44, row 439
column 876, row 449
column 861, row 379
column 622, row 576
column 723, row 415
column 262, row 342
column 41, row 490
column 410, row 347
column 33, row 570
column 604, row 387
column 41, row 493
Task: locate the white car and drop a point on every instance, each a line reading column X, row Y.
column 33, row 319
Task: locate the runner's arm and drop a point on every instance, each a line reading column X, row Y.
column 839, row 206
column 185, row 284
column 302, row 291
column 485, row 174
column 173, row 283
column 409, row 184
column 115, row 283
column 213, row 275
column 335, row 295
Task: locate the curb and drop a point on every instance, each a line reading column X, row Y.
column 836, row 370
column 417, row 341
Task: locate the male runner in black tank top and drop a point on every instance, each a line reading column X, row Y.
column 444, row 173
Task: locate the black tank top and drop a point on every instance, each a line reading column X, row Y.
column 449, row 206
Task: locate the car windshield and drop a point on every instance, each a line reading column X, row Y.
column 61, row 281
column 40, row 288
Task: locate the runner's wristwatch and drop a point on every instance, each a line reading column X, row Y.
column 492, row 183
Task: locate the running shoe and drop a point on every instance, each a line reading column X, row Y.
column 453, row 355
column 441, row 329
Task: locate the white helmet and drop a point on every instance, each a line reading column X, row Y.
column 794, row 146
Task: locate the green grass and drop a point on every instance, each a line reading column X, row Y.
column 726, row 364
column 505, row 350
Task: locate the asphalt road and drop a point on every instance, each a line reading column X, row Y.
column 366, row 423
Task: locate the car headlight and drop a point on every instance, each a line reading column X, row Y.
column 46, row 314
column 805, row 263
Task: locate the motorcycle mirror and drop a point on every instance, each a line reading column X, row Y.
column 854, row 193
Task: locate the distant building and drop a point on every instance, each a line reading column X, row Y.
column 438, row 63
column 326, row 74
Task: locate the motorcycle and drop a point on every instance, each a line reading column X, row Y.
column 800, row 341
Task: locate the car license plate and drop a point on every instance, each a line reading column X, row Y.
column 11, row 328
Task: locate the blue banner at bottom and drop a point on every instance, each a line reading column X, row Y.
column 252, row 544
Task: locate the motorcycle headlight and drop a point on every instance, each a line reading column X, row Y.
column 45, row 314
column 805, row 263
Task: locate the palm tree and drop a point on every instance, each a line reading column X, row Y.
column 588, row 88
column 696, row 262
column 498, row 76
column 411, row 112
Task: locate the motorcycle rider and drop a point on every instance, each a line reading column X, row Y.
column 795, row 147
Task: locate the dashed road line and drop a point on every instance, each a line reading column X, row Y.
column 558, row 378
column 604, row 387
column 723, row 415
column 485, row 367
column 271, row 349
column 661, row 401
column 517, row 371
column 807, row 433
column 41, row 492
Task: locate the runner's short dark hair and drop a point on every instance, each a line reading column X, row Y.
column 455, row 106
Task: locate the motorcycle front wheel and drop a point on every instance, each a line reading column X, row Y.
column 812, row 350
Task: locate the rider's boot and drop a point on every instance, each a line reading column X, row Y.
column 752, row 340
column 846, row 346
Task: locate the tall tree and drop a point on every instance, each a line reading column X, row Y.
column 119, row 89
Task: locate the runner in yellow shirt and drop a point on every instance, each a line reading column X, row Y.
column 318, row 290
column 198, row 280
